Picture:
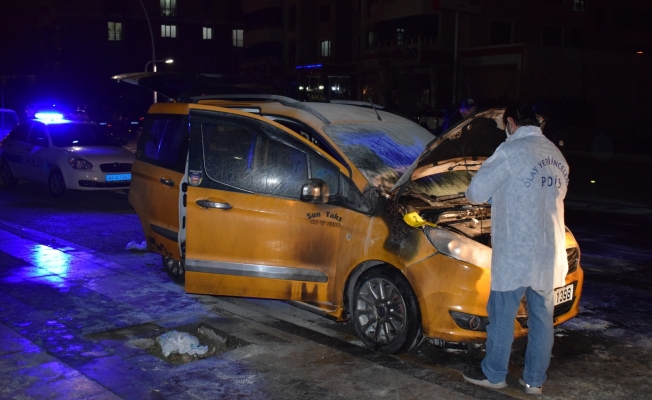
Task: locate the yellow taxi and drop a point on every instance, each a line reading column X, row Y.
column 352, row 210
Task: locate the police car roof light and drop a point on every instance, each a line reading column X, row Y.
column 49, row 116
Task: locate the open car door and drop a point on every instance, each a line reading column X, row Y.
column 157, row 176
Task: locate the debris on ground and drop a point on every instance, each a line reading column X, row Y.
column 133, row 245
column 181, row 342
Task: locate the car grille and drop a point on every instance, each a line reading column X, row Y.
column 115, row 167
column 573, row 256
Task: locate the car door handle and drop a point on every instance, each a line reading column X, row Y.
column 167, row 181
column 213, row 203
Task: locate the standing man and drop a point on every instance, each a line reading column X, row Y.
column 467, row 107
column 526, row 180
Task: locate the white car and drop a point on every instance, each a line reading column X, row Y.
column 65, row 155
column 8, row 119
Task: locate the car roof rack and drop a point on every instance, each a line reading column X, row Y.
column 286, row 101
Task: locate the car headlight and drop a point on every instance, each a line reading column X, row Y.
column 79, row 163
column 459, row 247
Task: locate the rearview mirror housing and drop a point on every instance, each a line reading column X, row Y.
column 315, row 191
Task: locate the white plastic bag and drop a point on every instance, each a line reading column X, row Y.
column 181, row 342
column 135, row 246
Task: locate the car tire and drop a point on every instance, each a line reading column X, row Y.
column 385, row 313
column 175, row 269
column 8, row 178
column 56, row 184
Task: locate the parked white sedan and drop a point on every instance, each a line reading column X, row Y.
column 65, row 155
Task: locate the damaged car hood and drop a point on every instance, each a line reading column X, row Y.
column 445, row 168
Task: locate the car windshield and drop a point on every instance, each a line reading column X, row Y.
column 67, row 135
column 8, row 120
column 381, row 151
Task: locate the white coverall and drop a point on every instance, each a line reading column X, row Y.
column 527, row 180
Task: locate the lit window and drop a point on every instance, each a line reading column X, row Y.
column 207, row 33
column 169, row 8
column 400, row 33
column 115, row 31
column 326, row 48
column 578, row 5
column 238, row 38
column 169, row 31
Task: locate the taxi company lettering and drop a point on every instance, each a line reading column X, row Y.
column 548, row 181
column 328, row 214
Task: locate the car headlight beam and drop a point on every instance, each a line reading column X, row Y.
column 459, row 247
column 79, row 163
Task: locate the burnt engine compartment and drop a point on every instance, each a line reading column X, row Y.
column 457, row 215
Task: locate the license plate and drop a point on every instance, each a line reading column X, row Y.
column 564, row 294
column 118, row 177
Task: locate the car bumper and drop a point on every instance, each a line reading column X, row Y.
column 89, row 180
column 447, row 284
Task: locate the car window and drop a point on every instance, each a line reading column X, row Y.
column 246, row 158
column 39, row 131
column 164, row 141
column 68, row 135
column 382, row 151
column 326, row 171
column 8, row 120
column 20, row 132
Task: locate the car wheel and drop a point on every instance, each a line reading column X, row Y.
column 56, row 183
column 176, row 269
column 8, row 178
column 385, row 313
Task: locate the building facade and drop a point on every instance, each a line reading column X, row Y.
column 584, row 56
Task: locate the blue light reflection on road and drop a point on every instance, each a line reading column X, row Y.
column 51, row 259
column 49, row 266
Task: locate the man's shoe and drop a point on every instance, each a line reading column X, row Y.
column 530, row 389
column 476, row 376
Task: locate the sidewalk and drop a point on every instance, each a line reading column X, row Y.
column 77, row 326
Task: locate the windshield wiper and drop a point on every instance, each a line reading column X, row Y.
column 462, row 164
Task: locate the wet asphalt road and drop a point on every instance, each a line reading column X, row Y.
column 285, row 352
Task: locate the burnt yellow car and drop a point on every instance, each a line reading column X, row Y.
column 352, row 210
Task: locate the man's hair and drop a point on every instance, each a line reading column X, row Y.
column 521, row 115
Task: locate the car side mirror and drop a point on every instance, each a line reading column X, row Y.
column 314, row 191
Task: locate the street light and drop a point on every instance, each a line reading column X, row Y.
column 168, row 61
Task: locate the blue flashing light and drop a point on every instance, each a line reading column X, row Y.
column 310, row 66
column 49, row 116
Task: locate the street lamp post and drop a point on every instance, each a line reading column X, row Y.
column 168, row 61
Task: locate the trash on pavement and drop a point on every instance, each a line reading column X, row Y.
column 135, row 246
column 181, row 342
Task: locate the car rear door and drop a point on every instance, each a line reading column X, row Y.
column 248, row 232
column 37, row 159
column 157, row 177
column 15, row 148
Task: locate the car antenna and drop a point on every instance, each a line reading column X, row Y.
column 372, row 106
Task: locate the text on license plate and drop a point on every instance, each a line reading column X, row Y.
column 564, row 294
column 118, row 177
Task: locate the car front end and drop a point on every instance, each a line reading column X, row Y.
column 95, row 168
column 453, row 285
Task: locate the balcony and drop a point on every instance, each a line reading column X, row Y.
column 414, row 51
column 262, row 35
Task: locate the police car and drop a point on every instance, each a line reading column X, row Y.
column 64, row 154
